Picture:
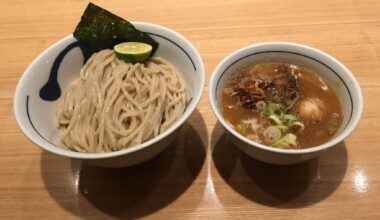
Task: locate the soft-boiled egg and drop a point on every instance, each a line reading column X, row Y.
column 312, row 109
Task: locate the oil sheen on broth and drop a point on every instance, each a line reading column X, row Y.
column 281, row 105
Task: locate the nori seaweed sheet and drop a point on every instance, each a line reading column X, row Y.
column 100, row 29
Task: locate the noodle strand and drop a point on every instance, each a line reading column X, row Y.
column 114, row 105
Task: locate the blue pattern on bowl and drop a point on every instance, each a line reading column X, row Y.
column 51, row 91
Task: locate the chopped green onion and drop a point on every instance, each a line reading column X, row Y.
column 276, row 113
column 282, row 128
column 261, row 106
column 290, row 117
column 275, row 119
column 334, row 123
column 274, row 109
column 300, row 124
column 286, row 141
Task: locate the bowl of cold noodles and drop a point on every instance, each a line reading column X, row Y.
column 284, row 103
column 114, row 93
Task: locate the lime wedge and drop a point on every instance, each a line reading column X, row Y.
column 133, row 52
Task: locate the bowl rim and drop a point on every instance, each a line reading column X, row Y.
column 81, row 155
column 236, row 55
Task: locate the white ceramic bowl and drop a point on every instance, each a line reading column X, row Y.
column 36, row 116
column 339, row 77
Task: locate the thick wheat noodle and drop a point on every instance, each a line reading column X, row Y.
column 113, row 105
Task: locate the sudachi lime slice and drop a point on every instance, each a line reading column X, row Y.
column 133, row 52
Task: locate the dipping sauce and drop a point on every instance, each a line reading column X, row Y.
column 281, row 105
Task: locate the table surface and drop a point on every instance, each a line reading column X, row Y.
column 202, row 175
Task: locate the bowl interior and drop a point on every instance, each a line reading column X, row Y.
column 334, row 73
column 36, row 116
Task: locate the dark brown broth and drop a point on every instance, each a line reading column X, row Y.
column 310, row 84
